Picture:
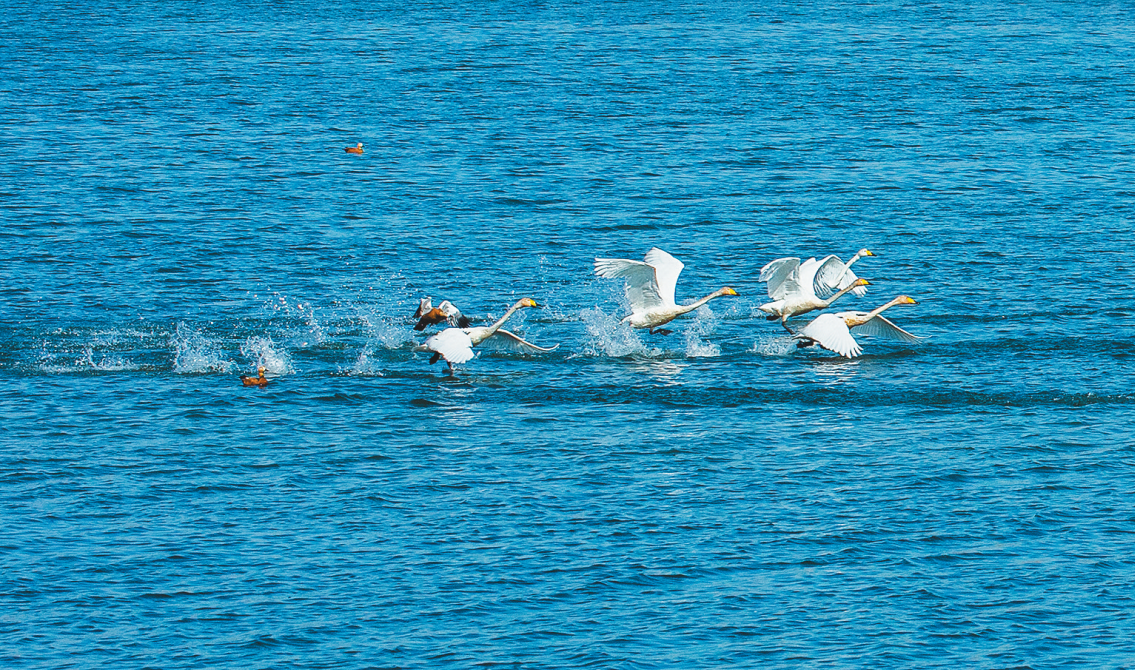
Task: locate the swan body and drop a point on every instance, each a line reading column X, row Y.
column 833, row 331
column 650, row 288
column 260, row 380
column 429, row 315
column 803, row 300
column 455, row 345
column 357, row 149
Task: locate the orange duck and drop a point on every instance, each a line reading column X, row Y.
column 428, row 315
column 256, row 381
column 357, row 149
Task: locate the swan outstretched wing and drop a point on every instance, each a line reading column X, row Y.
column 781, row 277
column 830, row 332
column 880, row 326
column 666, row 271
column 508, row 340
column 642, row 285
column 832, row 274
column 453, row 344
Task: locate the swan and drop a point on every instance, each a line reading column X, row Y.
column 799, row 297
column 357, row 149
column 833, row 331
column 829, row 274
column 650, row 288
column 455, row 345
column 255, row 381
column 428, row 315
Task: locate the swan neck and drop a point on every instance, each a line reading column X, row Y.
column 839, row 294
column 882, row 308
column 500, row 322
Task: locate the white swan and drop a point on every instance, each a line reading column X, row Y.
column 798, row 296
column 829, row 274
column 650, row 288
column 455, row 345
column 833, row 331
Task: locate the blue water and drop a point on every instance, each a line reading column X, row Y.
column 176, row 208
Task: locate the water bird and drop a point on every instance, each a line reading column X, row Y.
column 650, row 288
column 830, row 275
column 255, row 381
column 455, row 345
column 833, row 331
column 794, row 292
column 428, row 315
column 357, row 149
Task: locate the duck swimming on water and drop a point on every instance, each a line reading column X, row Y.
column 255, row 381
column 357, row 149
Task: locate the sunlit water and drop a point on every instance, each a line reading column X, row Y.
column 177, row 209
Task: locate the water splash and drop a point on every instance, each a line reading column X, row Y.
column 704, row 324
column 365, row 365
column 264, row 352
column 608, row 337
column 775, row 345
column 193, row 353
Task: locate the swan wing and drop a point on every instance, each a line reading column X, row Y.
column 781, row 277
column 830, row 332
column 504, row 339
column 813, row 271
column 453, row 344
column 881, row 326
column 666, row 271
column 642, row 286
column 833, row 274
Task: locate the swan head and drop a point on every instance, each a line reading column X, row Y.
column 905, row 300
column 727, row 291
column 861, row 282
column 528, row 302
column 864, row 252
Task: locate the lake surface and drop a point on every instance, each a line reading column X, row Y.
column 176, row 208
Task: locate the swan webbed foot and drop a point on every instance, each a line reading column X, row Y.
column 772, row 317
column 660, row 331
column 800, row 344
column 434, row 358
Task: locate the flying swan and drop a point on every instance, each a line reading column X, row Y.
column 833, row 331
column 795, row 293
column 455, row 345
column 650, row 288
column 831, row 273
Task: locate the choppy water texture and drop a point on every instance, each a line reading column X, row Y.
column 177, row 208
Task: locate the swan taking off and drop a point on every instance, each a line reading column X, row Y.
column 650, row 288
column 428, row 315
column 455, row 345
column 829, row 274
column 796, row 295
column 833, row 331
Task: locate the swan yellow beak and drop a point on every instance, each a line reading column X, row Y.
column 529, row 302
column 728, row 291
column 868, row 252
column 862, row 282
column 910, row 301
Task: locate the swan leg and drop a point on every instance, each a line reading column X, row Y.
column 790, row 332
